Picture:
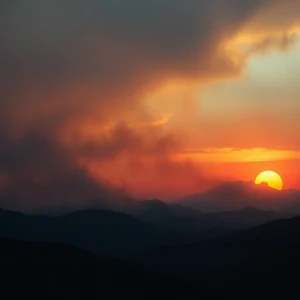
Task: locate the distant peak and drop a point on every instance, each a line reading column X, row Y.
column 250, row 209
column 155, row 200
column 263, row 185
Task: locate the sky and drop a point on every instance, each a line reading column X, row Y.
column 157, row 98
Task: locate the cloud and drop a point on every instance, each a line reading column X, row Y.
column 38, row 173
column 74, row 75
column 283, row 43
column 278, row 16
column 227, row 155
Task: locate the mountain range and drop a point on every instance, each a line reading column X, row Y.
column 227, row 251
column 238, row 195
column 261, row 262
column 59, row 271
column 121, row 235
column 99, row 231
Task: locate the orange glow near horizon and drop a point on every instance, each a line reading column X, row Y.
column 272, row 178
column 228, row 155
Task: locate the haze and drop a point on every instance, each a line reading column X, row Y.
column 145, row 98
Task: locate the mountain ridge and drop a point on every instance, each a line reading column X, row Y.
column 228, row 250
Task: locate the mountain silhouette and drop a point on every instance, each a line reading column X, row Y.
column 226, row 251
column 218, row 223
column 156, row 210
column 121, row 235
column 263, row 185
column 59, row 271
column 238, row 195
column 256, row 263
column 98, row 231
column 268, row 276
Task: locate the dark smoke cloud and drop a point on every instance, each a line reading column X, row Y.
column 41, row 174
column 66, row 63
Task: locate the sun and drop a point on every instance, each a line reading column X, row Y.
column 272, row 178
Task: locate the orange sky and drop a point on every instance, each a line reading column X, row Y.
column 221, row 127
column 162, row 100
column 225, row 130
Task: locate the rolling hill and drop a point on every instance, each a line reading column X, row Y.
column 98, row 231
column 59, row 271
column 227, row 251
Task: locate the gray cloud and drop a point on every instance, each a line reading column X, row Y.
column 66, row 61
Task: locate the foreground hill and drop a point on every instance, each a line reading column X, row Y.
column 58, row 271
column 272, row 275
column 226, row 251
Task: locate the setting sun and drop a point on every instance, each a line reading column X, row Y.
column 272, row 178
